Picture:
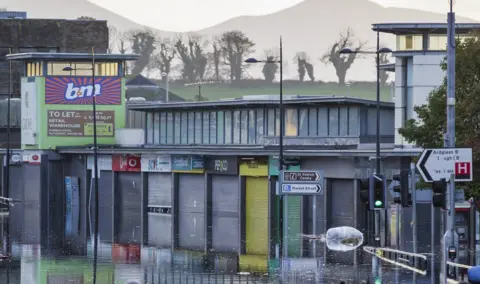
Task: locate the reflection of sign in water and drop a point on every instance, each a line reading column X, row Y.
column 74, row 123
column 79, row 90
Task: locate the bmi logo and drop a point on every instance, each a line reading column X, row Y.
column 73, row 92
column 463, row 170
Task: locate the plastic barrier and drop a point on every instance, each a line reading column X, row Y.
column 411, row 261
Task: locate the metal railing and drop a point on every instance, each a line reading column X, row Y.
column 410, row 261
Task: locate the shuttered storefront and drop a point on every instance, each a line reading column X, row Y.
column 159, row 215
column 342, row 213
column 294, row 205
column 225, row 213
column 130, row 207
column 105, row 210
column 256, row 215
column 191, row 193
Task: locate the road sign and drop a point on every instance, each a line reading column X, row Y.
column 301, row 182
column 435, row 164
column 304, row 189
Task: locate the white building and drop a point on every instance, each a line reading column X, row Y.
column 419, row 52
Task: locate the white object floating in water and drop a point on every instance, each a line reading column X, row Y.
column 340, row 238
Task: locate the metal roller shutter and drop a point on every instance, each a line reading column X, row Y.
column 191, row 191
column 225, row 213
column 256, row 215
column 159, row 195
column 130, row 208
column 342, row 213
column 105, row 209
column 294, row 226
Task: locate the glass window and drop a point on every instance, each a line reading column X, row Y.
column 236, row 127
column 409, row 42
column 343, row 124
column 191, row 127
column 323, row 122
column 177, row 129
column 156, row 128
column 184, row 128
column 291, row 122
column 260, row 123
column 252, row 131
column 198, row 128
column 82, row 68
column 206, row 127
column 213, row 127
column 149, row 128
column 271, row 122
column 353, row 121
column 170, row 129
column 163, row 128
column 312, row 122
column 303, row 123
column 333, row 121
column 244, row 127
column 228, row 127
column 437, row 42
column 220, row 128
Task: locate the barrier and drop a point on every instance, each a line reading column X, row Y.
column 457, row 265
column 407, row 260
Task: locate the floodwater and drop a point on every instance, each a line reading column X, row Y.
column 129, row 264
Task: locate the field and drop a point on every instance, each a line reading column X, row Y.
column 366, row 90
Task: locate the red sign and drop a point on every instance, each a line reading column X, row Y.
column 126, row 163
column 126, row 253
column 463, row 170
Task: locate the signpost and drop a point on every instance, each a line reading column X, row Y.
column 301, row 183
column 435, row 164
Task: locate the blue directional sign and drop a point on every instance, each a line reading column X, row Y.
column 301, row 183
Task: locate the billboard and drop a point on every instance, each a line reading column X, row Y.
column 68, row 123
column 79, row 90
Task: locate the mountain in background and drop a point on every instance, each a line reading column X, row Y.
column 311, row 26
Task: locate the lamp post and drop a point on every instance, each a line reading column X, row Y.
column 166, row 75
column 95, row 162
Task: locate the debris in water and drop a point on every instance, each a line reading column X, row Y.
column 339, row 238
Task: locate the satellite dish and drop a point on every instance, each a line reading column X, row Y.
column 340, row 238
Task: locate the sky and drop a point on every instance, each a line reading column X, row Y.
column 171, row 15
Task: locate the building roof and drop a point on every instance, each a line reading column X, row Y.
column 418, row 28
column 70, row 56
column 140, row 81
column 247, row 101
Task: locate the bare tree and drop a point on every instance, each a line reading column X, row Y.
column 216, row 57
column 235, row 46
column 342, row 62
column 113, row 35
column 163, row 57
column 270, row 69
column 304, row 66
column 143, row 44
column 194, row 59
column 384, row 59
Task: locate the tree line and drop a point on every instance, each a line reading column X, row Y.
column 222, row 57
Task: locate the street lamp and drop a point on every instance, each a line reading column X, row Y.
column 95, row 162
column 280, row 61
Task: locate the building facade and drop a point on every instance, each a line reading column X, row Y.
column 420, row 49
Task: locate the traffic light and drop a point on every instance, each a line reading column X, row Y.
column 364, row 186
column 405, row 198
column 439, row 189
column 378, row 196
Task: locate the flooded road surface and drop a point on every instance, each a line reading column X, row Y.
column 129, row 264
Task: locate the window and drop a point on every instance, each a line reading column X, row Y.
column 150, row 128
column 213, row 127
column 409, row 42
column 177, row 128
column 303, row 123
column 243, row 127
column 82, row 68
column 343, row 124
column 323, row 122
column 437, row 42
column 198, row 128
column 271, row 122
column 206, row 127
column 353, row 121
column 191, row 127
column 228, row 127
column 163, row 128
column 236, row 127
column 156, row 128
column 260, row 125
column 184, row 128
column 277, row 122
column 34, row 69
column 220, row 128
column 291, row 122
column 252, row 131
column 333, row 121
column 312, row 122
column 170, row 129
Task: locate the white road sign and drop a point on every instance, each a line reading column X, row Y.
column 435, row 164
column 301, row 188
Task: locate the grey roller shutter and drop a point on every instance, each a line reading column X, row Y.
column 191, row 211
column 225, row 213
column 105, row 209
column 130, row 208
column 159, row 217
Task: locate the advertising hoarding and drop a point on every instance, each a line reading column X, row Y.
column 68, row 123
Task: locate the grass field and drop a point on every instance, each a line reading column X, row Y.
column 366, row 90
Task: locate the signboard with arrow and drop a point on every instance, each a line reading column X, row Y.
column 301, row 183
column 435, row 164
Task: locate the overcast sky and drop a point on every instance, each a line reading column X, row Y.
column 173, row 15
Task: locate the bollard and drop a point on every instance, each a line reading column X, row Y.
column 474, row 275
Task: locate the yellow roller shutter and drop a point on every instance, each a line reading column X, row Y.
column 257, row 215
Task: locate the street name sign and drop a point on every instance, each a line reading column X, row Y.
column 301, row 183
column 435, row 164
